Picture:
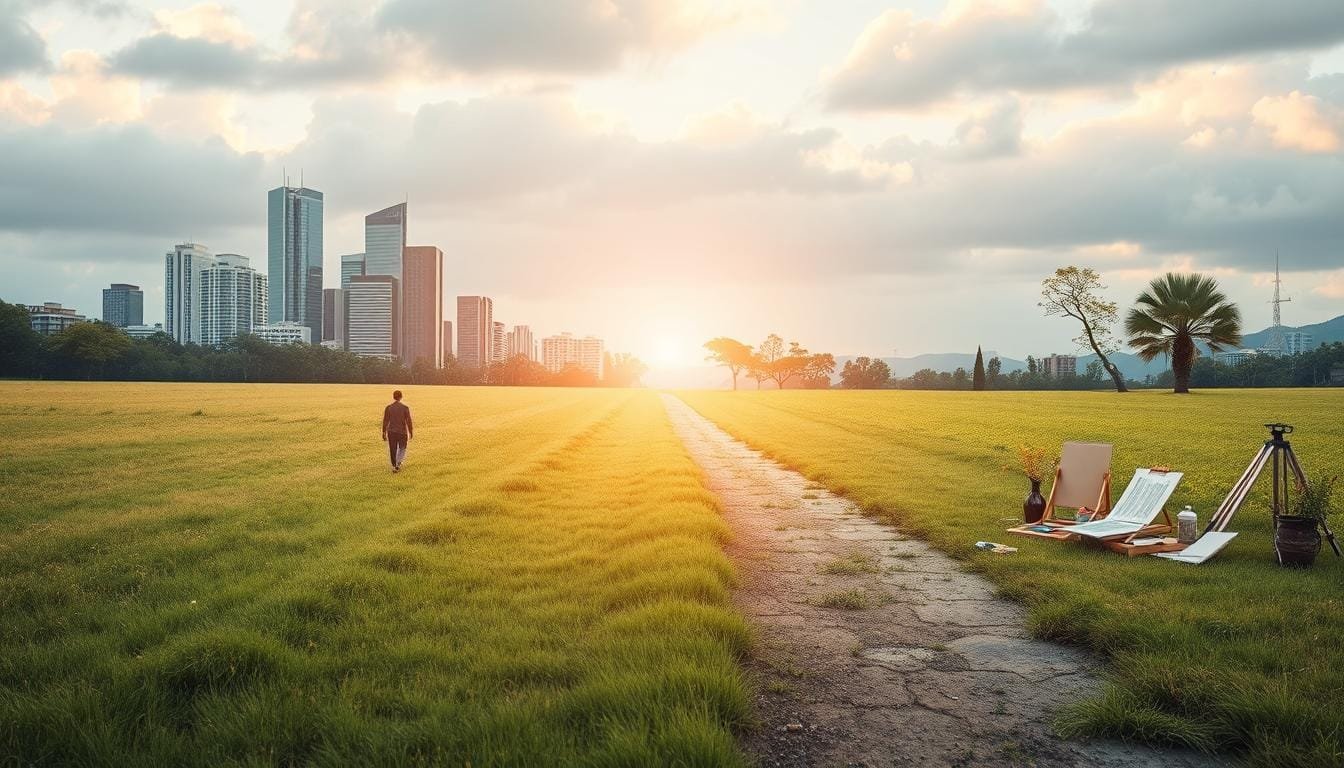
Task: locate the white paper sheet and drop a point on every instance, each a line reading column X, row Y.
column 1205, row 547
column 1138, row 505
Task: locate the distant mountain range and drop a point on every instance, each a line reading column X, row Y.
column 709, row 377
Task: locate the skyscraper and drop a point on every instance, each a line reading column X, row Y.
column 123, row 305
column 422, row 305
column 447, row 340
column 182, row 291
column 371, row 308
column 233, row 299
column 294, row 256
column 499, row 349
column 352, row 264
column 384, row 241
column 50, row 318
column 333, row 315
column 520, row 342
column 475, row 329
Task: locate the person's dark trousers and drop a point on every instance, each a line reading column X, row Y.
column 395, row 442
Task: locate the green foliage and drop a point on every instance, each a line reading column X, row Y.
column 20, row 345
column 978, row 374
column 1237, row 654
column 544, row 582
column 865, row 373
column 1175, row 312
column 1316, row 500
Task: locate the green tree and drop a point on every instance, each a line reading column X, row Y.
column 1032, row 368
column 1076, row 293
column 978, row 374
column 1174, row 313
column 994, row 369
column 865, row 373
column 730, row 353
column 91, row 345
column 20, row 345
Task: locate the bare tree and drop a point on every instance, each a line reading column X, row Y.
column 1076, row 293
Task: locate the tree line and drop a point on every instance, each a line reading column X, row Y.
column 791, row 366
column 97, row 350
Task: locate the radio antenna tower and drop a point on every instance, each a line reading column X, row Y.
column 1276, row 333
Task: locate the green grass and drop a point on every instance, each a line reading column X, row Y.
column 1237, row 655
column 851, row 565
column 213, row 575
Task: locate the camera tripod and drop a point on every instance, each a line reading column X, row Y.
column 1278, row 453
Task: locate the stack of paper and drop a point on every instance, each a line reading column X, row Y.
column 1205, row 547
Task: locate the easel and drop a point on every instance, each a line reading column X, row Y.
column 1102, row 508
column 1278, row 453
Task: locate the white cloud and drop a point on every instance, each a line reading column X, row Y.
column 1298, row 121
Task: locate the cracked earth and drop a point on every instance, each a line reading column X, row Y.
column 874, row 649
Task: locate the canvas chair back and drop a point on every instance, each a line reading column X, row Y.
column 1083, row 471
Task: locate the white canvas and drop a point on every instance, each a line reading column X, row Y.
column 1141, row 502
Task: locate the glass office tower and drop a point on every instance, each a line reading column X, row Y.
column 294, row 248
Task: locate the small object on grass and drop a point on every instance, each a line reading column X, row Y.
column 1187, row 524
column 1083, row 515
column 998, row 549
column 793, row 727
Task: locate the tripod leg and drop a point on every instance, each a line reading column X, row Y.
column 1239, row 491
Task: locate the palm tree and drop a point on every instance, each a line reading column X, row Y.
column 1176, row 311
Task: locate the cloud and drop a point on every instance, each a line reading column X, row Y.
column 1298, row 121
column 21, row 47
column 902, row 62
column 123, row 179
column 343, row 41
column 571, row 36
column 996, row 132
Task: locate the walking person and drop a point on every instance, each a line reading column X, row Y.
column 397, row 429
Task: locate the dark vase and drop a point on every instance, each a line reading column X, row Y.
column 1034, row 507
column 1297, row 541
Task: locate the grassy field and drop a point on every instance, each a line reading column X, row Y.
column 199, row 574
column 1238, row 655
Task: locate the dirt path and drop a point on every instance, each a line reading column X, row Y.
column 880, row 648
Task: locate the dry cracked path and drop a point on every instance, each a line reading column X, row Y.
column 882, row 649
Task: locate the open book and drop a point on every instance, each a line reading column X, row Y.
column 1138, row 506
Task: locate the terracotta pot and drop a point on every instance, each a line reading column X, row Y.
column 1297, row 541
column 1034, row 507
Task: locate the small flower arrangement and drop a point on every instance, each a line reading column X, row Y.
column 1034, row 462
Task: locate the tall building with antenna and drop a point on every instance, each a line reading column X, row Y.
column 294, row 256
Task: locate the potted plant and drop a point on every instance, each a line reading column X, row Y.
column 1036, row 464
column 1297, row 537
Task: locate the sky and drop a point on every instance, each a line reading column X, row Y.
column 863, row 177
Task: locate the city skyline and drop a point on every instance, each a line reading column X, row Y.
column 661, row 188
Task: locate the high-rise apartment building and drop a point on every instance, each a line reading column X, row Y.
column 475, row 330
column 385, row 241
column 499, row 349
column 1296, row 342
column 124, row 305
column 422, row 305
column 232, row 299
column 520, row 342
column 567, row 349
column 51, row 318
column 372, row 326
column 1055, row 366
column 333, row 316
column 182, row 290
column 447, row 341
column 352, row 265
column 294, row 256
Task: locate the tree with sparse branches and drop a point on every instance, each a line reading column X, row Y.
column 731, row 354
column 1076, row 293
